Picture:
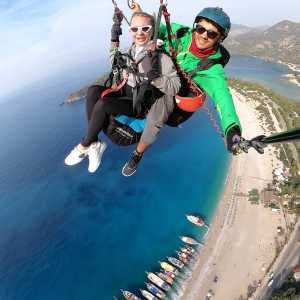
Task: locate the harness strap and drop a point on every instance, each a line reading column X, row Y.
column 204, row 64
column 114, row 89
column 191, row 84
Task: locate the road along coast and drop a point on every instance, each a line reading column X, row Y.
column 240, row 245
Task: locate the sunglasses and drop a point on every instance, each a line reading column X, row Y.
column 140, row 29
column 210, row 33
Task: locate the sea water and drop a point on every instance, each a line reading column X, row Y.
column 269, row 74
column 67, row 234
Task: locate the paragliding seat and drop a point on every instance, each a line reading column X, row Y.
column 124, row 131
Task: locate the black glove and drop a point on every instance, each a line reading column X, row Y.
column 116, row 29
column 233, row 139
column 118, row 16
column 151, row 65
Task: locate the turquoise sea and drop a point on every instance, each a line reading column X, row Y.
column 69, row 235
column 263, row 72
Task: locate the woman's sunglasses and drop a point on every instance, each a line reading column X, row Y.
column 210, row 33
column 144, row 29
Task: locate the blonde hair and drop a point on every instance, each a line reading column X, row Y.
column 146, row 15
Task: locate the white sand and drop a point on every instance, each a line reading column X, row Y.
column 240, row 244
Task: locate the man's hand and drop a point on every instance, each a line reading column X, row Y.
column 237, row 144
column 233, row 140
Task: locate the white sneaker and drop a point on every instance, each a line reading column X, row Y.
column 76, row 156
column 95, row 153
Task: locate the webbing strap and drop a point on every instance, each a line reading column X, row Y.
column 205, row 64
column 191, row 84
column 193, row 87
column 114, row 89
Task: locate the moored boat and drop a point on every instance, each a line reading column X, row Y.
column 158, row 281
column 155, row 290
column 182, row 255
column 165, row 277
column 175, row 262
column 130, row 296
column 148, row 295
column 188, row 249
column 183, row 259
column 169, row 273
column 196, row 220
column 169, row 267
column 189, row 240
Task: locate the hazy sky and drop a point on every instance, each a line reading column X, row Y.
column 39, row 38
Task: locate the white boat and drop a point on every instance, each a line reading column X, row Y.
column 175, row 262
column 164, row 276
column 189, row 240
column 188, row 249
column 130, row 296
column 196, row 220
column 155, row 290
column 148, row 295
column 182, row 255
column 158, row 281
column 169, row 267
column 168, row 273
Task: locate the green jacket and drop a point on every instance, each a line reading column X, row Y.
column 212, row 81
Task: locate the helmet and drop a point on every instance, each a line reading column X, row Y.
column 217, row 15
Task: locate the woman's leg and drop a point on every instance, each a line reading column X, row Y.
column 93, row 97
column 101, row 113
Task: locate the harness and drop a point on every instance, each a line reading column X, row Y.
column 191, row 97
column 122, row 130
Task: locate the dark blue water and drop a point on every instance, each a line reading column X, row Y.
column 66, row 234
column 269, row 74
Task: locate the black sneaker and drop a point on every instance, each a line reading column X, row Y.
column 132, row 164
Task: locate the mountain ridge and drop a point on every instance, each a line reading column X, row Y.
column 279, row 43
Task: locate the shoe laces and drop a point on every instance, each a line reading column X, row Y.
column 136, row 157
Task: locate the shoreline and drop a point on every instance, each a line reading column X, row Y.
column 292, row 77
column 235, row 242
column 214, row 237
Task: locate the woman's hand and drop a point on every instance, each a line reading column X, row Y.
column 151, row 65
column 116, row 29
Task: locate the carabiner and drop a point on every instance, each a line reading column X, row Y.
column 114, row 3
column 134, row 6
column 131, row 4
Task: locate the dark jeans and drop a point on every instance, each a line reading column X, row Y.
column 99, row 110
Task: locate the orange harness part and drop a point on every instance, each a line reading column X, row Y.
column 190, row 104
column 187, row 103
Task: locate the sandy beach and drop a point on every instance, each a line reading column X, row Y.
column 240, row 245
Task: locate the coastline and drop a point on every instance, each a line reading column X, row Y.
column 292, row 77
column 235, row 242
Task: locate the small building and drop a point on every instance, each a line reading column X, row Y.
column 296, row 201
column 286, row 203
column 269, row 197
column 279, row 229
column 297, row 274
column 278, row 171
